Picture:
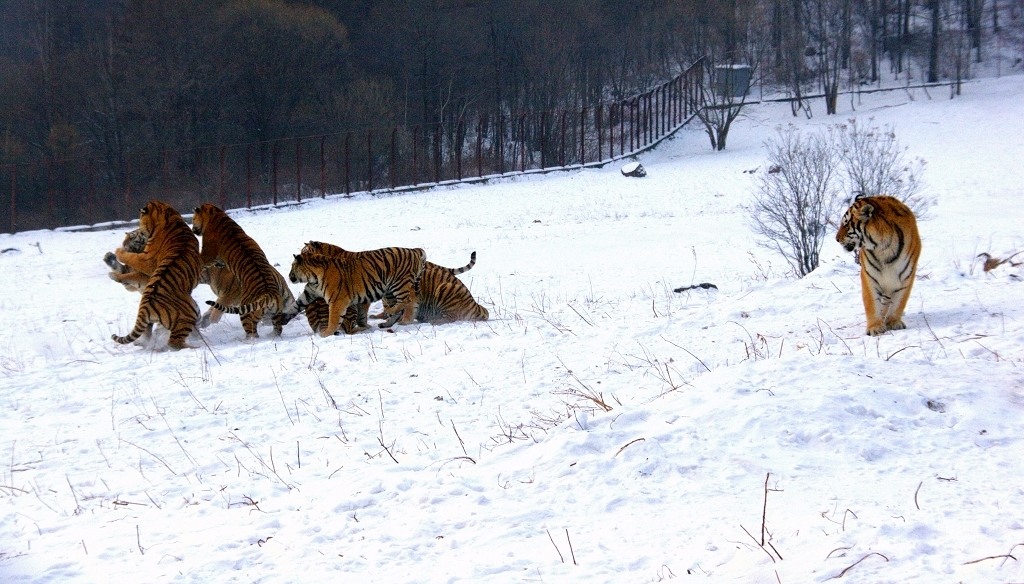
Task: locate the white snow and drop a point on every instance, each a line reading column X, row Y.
column 757, row 413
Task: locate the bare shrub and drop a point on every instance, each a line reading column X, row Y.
column 797, row 195
column 875, row 164
column 810, row 180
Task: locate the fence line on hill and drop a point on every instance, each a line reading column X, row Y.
column 89, row 191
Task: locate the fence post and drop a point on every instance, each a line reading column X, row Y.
column 14, row 196
column 248, row 176
column 394, row 153
column 561, row 149
column 273, row 169
column 437, row 153
column 298, row 170
column 127, row 186
column 543, row 139
column 220, row 179
column 90, row 197
column 369, row 161
column 323, row 168
column 460, row 133
column 348, row 168
column 583, row 136
column 416, row 155
column 522, row 141
column 394, row 150
column 501, row 144
column 480, row 146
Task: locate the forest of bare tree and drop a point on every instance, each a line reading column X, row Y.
column 108, row 80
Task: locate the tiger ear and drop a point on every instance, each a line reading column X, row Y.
column 867, row 211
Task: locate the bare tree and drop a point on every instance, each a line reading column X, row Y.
column 797, row 195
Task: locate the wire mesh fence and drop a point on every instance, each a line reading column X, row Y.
column 90, row 191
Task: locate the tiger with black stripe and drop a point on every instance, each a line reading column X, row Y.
column 442, row 296
column 220, row 279
column 171, row 256
column 264, row 292
column 883, row 232
column 350, row 283
column 358, row 313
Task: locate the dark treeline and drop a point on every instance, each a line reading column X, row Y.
column 108, row 80
column 106, row 77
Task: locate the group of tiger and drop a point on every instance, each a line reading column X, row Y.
column 162, row 260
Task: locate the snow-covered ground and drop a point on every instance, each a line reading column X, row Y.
column 599, row 428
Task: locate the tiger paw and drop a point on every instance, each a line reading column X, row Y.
column 111, row 260
column 895, row 325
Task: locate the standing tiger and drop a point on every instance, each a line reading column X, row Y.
column 171, row 256
column 220, row 279
column 264, row 291
column 442, row 297
column 355, row 280
column 883, row 231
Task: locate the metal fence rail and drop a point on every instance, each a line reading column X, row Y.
column 87, row 191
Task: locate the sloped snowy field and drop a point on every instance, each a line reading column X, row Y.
column 478, row 453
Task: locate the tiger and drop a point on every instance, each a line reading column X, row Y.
column 220, row 279
column 358, row 312
column 883, row 232
column 358, row 279
column 442, row 297
column 167, row 295
column 264, row 291
column 132, row 280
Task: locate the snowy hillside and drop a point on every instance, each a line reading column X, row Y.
column 599, row 428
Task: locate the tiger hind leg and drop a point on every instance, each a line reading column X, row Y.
column 250, row 322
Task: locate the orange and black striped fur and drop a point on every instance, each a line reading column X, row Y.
column 442, row 297
column 133, row 280
column 226, row 286
column 355, row 316
column 171, row 256
column 264, row 291
column 883, row 231
column 220, row 279
column 357, row 279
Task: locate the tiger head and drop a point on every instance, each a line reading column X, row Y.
column 851, row 227
column 301, row 269
column 134, row 241
column 203, row 216
column 154, row 215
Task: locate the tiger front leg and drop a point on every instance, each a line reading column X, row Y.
column 334, row 316
column 404, row 309
column 894, row 319
column 873, row 306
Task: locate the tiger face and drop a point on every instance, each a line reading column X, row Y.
column 848, row 235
